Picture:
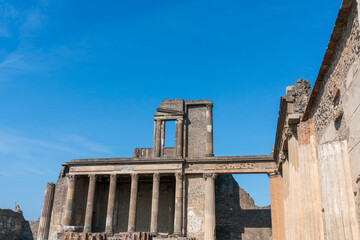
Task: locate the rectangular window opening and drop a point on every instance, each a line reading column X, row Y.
column 169, row 134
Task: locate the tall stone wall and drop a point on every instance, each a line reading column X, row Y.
column 336, row 116
column 56, row 226
column 196, row 131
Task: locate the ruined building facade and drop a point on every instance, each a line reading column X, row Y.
column 160, row 192
column 317, row 149
column 184, row 193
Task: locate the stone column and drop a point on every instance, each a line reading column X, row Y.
column 210, row 220
column 45, row 218
column 277, row 206
column 209, row 132
column 133, row 199
column 162, row 145
column 70, row 197
column 90, row 203
column 179, row 137
column 110, row 206
column 155, row 204
column 178, row 204
column 295, row 191
column 157, row 146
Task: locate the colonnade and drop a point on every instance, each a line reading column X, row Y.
column 178, row 210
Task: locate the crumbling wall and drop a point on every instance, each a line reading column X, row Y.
column 336, row 112
column 58, row 207
column 11, row 225
column 237, row 216
column 34, row 226
column 334, row 92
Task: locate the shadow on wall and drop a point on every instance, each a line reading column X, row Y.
column 234, row 222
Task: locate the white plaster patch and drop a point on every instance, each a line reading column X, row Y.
column 209, row 128
column 194, row 222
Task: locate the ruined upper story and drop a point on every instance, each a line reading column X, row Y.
column 193, row 130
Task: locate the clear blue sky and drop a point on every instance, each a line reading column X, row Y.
column 82, row 79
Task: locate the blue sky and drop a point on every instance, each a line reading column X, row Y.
column 82, row 79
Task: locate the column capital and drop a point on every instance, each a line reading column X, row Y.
column 179, row 175
column 92, row 177
column 180, row 119
column 156, row 176
column 71, row 177
column 134, row 176
column 209, row 175
column 113, row 177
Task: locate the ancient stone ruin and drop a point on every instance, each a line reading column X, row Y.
column 160, row 192
column 185, row 192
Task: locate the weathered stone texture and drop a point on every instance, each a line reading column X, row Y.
column 347, row 52
column 34, row 226
column 195, row 185
column 58, row 207
column 336, row 111
column 196, row 131
column 302, row 90
column 11, row 225
column 237, row 216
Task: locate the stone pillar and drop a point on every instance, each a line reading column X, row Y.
column 209, row 132
column 179, row 137
column 45, row 218
column 90, row 203
column 162, row 145
column 277, row 206
column 210, row 220
column 157, row 146
column 295, row 191
column 178, row 204
column 155, row 204
column 133, row 199
column 110, row 206
column 70, row 197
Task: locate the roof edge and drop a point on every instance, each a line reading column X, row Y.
column 340, row 22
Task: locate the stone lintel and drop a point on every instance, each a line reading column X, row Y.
column 225, row 164
column 199, row 102
column 169, row 117
column 164, row 160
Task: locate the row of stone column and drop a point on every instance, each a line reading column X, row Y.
column 132, row 208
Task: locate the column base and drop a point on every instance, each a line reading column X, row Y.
column 209, row 155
